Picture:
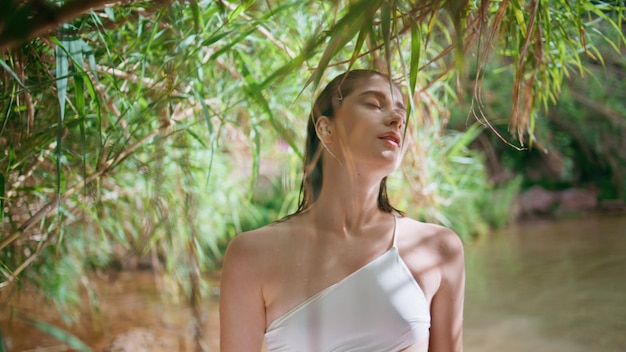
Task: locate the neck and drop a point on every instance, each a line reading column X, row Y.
column 348, row 200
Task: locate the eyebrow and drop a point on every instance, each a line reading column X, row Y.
column 382, row 96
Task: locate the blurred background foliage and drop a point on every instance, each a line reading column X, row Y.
column 147, row 134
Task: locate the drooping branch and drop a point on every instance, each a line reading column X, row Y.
column 31, row 21
column 35, row 19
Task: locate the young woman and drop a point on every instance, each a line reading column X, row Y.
column 347, row 271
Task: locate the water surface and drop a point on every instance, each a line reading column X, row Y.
column 548, row 286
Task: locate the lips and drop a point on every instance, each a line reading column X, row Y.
column 391, row 136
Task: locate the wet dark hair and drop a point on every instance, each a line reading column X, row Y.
column 327, row 102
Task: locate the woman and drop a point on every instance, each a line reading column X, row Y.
column 346, row 272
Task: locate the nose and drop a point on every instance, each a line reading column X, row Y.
column 395, row 119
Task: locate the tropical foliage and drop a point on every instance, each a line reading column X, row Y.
column 156, row 128
column 580, row 137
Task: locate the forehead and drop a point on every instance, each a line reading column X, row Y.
column 379, row 84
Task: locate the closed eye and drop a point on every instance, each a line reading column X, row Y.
column 375, row 105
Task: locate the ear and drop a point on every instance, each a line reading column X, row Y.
column 324, row 129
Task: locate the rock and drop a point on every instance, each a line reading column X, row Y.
column 577, row 199
column 616, row 206
column 138, row 340
column 143, row 340
column 537, row 200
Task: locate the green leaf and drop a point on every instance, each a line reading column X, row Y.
column 518, row 14
column 195, row 136
column 252, row 89
column 12, row 73
column 197, row 19
column 239, row 9
column 385, row 26
column 2, row 186
column 358, row 17
column 56, row 332
column 214, row 38
column 62, row 72
column 205, row 110
column 464, row 140
column 2, row 348
column 416, row 47
column 357, row 48
column 228, row 47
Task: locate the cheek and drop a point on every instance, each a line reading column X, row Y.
column 355, row 133
column 355, row 125
column 347, row 129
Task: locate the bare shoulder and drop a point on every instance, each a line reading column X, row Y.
column 248, row 263
column 256, row 245
column 433, row 254
column 436, row 239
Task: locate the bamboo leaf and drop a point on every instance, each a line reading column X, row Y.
column 464, row 140
column 156, row 32
column 79, row 95
column 73, row 50
column 239, row 9
column 228, row 47
column 92, row 60
column 347, row 27
column 197, row 19
column 2, row 348
column 12, row 73
column 2, row 198
column 518, row 14
column 416, row 47
column 256, row 159
column 253, row 90
column 287, row 68
column 195, row 136
column 239, row 28
column 358, row 46
column 385, row 26
column 62, row 72
column 205, row 110
column 214, row 38
column 56, row 332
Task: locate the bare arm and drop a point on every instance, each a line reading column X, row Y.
column 242, row 310
column 446, row 332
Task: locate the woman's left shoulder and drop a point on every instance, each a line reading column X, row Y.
column 436, row 239
column 433, row 254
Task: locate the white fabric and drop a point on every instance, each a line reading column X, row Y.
column 378, row 308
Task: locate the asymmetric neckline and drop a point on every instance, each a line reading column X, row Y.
column 378, row 307
column 328, row 289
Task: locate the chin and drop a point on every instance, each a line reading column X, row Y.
column 393, row 157
column 391, row 164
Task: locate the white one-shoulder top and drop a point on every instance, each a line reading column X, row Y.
column 378, row 308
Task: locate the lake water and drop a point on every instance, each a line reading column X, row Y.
column 549, row 286
column 539, row 287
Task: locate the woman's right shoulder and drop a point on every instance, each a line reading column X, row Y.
column 257, row 245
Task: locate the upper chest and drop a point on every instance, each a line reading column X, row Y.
column 300, row 271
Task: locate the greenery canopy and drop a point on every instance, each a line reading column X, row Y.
column 143, row 127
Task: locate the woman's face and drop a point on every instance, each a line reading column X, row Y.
column 369, row 125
